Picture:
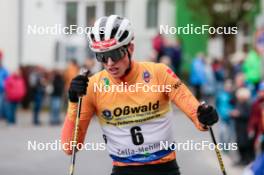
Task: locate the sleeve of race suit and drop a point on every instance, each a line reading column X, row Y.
column 179, row 94
column 87, row 112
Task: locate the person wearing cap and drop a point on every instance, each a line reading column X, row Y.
column 3, row 77
column 135, row 120
column 256, row 124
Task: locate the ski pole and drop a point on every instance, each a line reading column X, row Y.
column 75, row 137
column 76, row 128
column 217, row 151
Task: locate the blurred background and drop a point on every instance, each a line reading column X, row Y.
column 225, row 70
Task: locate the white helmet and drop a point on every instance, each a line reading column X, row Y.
column 109, row 33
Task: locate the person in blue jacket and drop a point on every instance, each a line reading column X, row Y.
column 198, row 75
column 224, row 108
column 3, row 76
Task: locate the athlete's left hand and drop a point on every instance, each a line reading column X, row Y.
column 207, row 115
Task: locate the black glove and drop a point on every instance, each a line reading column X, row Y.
column 207, row 115
column 78, row 87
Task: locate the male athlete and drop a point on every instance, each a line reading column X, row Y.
column 134, row 121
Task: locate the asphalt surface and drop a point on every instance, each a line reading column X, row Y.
column 17, row 159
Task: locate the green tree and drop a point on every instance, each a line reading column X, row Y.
column 227, row 13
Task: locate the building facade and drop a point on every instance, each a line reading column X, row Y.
column 33, row 31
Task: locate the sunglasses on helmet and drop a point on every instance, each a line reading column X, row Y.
column 115, row 55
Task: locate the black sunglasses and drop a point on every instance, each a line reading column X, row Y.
column 115, row 55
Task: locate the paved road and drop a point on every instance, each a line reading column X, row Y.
column 15, row 159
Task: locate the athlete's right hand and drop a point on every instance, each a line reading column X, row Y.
column 78, row 87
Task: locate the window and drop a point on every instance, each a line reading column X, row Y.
column 110, row 8
column 90, row 19
column 152, row 13
column 90, row 15
column 114, row 7
column 120, row 8
column 71, row 13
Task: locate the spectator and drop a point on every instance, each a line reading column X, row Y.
column 166, row 60
column 173, row 50
column 208, row 88
column 252, row 69
column 197, row 75
column 241, row 82
column 15, row 91
column 241, row 115
column 219, row 73
column 56, row 97
column 257, row 167
column 26, row 70
column 224, row 108
column 37, row 83
column 158, row 46
column 3, row 76
column 256, row 121
column 237, row 60
column 71, row 71
column 262, row 134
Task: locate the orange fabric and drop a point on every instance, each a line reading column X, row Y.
column 180, row 95
column 68, row 134
column 96, row 102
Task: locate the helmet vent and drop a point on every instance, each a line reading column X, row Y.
column 92, row 36
column 102, row 28
column 116, row 26
column 123, row 36
column 113, row 32
column 101, row 36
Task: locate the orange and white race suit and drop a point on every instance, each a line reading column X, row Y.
column 134, row 118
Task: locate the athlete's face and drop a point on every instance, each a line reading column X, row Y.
column 117, row 69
